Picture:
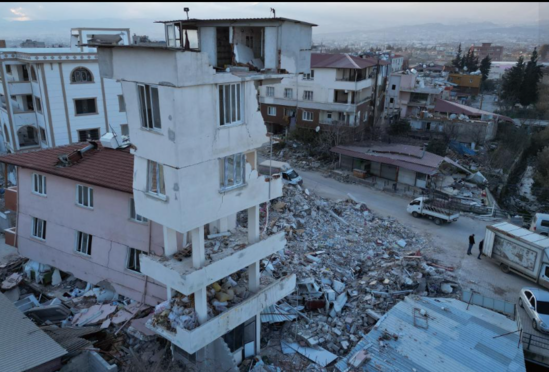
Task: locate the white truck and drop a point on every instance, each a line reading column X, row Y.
column 519, row 250
column 288, row 174
column 433, row 209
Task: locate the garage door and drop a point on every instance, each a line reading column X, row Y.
column 375, row 168
column 389, row 172
column 407, row 176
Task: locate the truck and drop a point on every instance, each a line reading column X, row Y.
column 288, row 174
column 518, row 250
column 432, row 208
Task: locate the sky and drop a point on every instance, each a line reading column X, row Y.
column 331, row 17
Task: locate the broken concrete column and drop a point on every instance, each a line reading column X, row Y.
column 170, row 241
column 198, row 253
column 201, row 305
column 253, row 277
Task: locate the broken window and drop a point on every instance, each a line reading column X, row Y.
column 149, row 106
column 230, row 104
column 133, row 260
column 288, row 93
column 271, row 111
column 83, row 243
column 85, row 106
column 309, row 76
column 155, row 182
column 234, row 168
column 270, row 91
column 88, row 134
column 81, row 75
column 307, row 116
column 38, row 228
column 133, row 214
column 38, row 104
column 121, row 103
column 308, row 95
column 84, row 196
column 39, row 184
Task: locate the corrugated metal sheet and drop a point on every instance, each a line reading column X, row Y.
column 71, row 338
column 22, row 344
column 235, row 20
column 456, row 339
column 278, row 313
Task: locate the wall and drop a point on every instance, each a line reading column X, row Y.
column 108, row 223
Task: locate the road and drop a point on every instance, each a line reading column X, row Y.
column 449, row 242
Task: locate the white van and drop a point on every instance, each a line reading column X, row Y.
column 288, row 174
column 540, row 224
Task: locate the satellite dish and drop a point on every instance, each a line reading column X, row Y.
column 317, row 129
column 464, row 68
column 424, row 66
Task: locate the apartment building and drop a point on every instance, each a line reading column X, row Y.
column 338, row 90
column 75, row 212
column 408, row 95
column 54, row 96
column 466, row 84
column 198, row 103
column 487, row 49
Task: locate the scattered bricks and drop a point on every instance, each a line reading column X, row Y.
column 345, row 345
column 336, row 331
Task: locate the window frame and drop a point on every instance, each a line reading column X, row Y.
column 134, row 216
column 87, row 131
column 41, row 184
column 89, row 196
column 288, row 96
column 36, row 222
column 73, row 81
column 306, row 94
column 77, row 244
column 135, row 252
column 43, row 135
column 122, row 126
column 160, row 181
column 85, row 99
column 149, row 100
column 121, row 103
column 307, row 112
column 224, row 184
column 270, row 91
column 222, row 104
column 38, row 104
column 271, row 109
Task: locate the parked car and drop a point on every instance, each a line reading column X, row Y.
column 436, row 210
column 536, row 304
column 540, row 224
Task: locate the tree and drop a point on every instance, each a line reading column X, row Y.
column 470, row 61
column 485, row 66
column 529, row 92
column 437, row 146
column 456, row 62
column 401, row 126
column 544, row 53
column 512, row 82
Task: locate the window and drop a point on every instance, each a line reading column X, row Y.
column 393, row 87
column 125, row 129
column 391, row 100
column 288, row 93
column 234, row 169
column 38, row 104
column 133, row 214
column 270, row 91
column 230, row 104
column 43, row 135
column 33, row 74
column 289, row 112
column 8, row 69
column 83, row 243
column 6, row 134
column 545, row 223
column 25, row 73
column 271, row 111
column 38, row 228
column 149, row 106
column 88, row 134
column 84, row 196
column 121, row 103
column 308, row 95
column 329, row 115
column 307, row 116
column 155, row 181
column 133, row 260
column 38, row 184
column 365, row 116
column 81, row 75
column 85, row 106
column 310, row 76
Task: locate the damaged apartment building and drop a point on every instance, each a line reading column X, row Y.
column 337, row 91
column 54, row 96
column 196, row 100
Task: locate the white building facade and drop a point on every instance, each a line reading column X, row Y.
column 201, row 110
column 55, row 96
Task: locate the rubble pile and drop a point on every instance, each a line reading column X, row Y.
column 295, row 153
column 352, row 266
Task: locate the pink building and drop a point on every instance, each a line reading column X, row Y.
column 78, row 215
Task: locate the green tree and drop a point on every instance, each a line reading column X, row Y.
column 470, row 61
column 437, row 146
column 456, row 62
column 512, row 83
column 529, row 92
column 401, row 126
column 485, row 66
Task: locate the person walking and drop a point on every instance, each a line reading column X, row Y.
column 480, row 248
column 471, row 243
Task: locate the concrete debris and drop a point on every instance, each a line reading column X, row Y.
column 318, row 355
column 12, row 281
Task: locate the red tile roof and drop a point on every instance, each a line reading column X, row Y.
column 109, row 168
column 327, row 60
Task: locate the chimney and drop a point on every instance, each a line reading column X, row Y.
column 66, row 160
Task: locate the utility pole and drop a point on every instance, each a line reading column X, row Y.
column 375, row 97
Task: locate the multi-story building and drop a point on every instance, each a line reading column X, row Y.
column 75, row 212
column 195, row 104
column 407, row 95
column 487, row 49
column 338, row 90
column 55, row 96
column 466, row 84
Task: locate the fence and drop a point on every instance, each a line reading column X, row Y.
column 500, row 306
column 529, row 340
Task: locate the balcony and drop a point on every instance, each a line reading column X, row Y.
column 351, row 85
column 193, row 340
column 19, row 87
column 221, row 261
column 9, row 235
column 24, row 118
column 10, row 197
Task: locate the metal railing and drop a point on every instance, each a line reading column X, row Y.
column 529, row 340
